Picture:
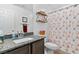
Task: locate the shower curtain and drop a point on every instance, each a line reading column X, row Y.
column 64, row 28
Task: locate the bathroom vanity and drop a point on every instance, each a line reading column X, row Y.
column 34, row 46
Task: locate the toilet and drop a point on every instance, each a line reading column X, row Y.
column 50, row 47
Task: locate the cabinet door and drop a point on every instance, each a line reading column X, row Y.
column 38, row 47
column 21, row 50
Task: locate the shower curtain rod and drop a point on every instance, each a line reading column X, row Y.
column 66, row 7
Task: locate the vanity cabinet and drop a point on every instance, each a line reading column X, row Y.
column 36, row 47
column 20, row 50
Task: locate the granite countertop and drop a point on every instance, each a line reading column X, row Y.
column 9, row 44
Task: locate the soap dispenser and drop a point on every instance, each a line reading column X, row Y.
column 13, row 34
column 1, row 36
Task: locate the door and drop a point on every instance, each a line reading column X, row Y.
column 38, row 47
column 21, row 50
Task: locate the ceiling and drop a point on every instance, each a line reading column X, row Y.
column 46, row 7
column 49, row 7
column 29, row 7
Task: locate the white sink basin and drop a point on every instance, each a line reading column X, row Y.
column 22, row 40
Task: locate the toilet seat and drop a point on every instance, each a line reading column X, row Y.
column 51, row 46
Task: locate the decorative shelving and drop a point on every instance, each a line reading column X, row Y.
column 41, row 17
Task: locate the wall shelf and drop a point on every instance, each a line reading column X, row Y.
column 41, row 17
column 41, row 21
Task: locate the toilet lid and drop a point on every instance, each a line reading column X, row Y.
column 51, row 45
